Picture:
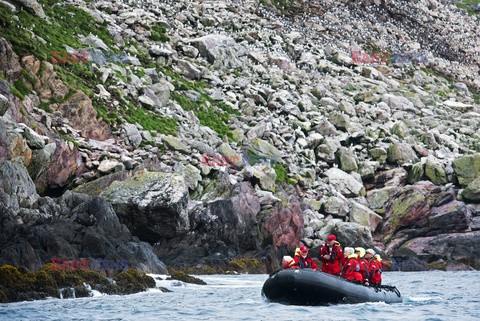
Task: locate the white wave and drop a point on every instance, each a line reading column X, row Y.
column 422, row 298
column 97, row 293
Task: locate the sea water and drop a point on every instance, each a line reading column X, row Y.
column 431, row 295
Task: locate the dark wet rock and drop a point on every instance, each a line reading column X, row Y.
column 456, row 247
column 91, row 230
column 219, row 232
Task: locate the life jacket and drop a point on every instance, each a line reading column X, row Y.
column 351, row 269
column 376, row 272
column 304, row 263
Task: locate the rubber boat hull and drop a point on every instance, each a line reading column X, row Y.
column 309, row 287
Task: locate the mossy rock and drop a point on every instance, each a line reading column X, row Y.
column 245, row 265
column 438, row 265
column 182, row 276
column 132, row 281
column 203, row 270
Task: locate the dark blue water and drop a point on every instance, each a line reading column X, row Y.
column 432, row 295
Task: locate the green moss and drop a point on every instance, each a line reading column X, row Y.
column 182, row 276
column 281, row 172
column 56, row 35
column 467, row 5
column 211, row 113
column 131, row 281
column 16, row 92
column 68, row 139
column 21, row 87
column 158, row 33
column 150, row 121
column 29, row 78
column 246, row 265
column 203, row 270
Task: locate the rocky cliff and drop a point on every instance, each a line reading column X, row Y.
column 106, row 158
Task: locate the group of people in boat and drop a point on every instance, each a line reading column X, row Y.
column 354, row 264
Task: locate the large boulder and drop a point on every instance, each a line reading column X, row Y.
column 364, row 216
column 152, row 205
column 264, row 149
column 467, row 168
column 435, row 172
column 34, row 7
column 398, row 102
column 219, row 231
column 55, row 166
column 408, row 207
column 346, row 159
column 16, row 187
column 459, row 247
column 79, row 110
column 4, row 146
column 344, row 183
column 402, row 153
column 220, row 49
column 472, row 191
column 452, row 216
column 352, row 234
column 284, row 226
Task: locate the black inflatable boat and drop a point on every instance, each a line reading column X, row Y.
column 309, row 287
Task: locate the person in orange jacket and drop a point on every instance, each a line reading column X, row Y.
column 303, row 260
column 376, row 270
column 351, row 267
column 331, row 256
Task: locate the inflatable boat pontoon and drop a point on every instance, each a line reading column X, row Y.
column 310, row 287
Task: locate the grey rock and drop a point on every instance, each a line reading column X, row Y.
column 132, row 134
column 33, row 7
column 189, row 70
column 3, row 105
column 346, row 159
column 472, row 191
column 176, row 144
column 402, row 153
column 364, row 216
column 152, row 205
column 344, row 183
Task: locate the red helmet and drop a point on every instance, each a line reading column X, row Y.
column 332, row 237
column 303, row 249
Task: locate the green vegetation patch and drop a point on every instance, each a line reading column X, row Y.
column 158, row 33
column 204, row 108
column 287, row 7
column 467, row 5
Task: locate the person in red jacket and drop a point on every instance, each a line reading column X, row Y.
column 331, row 256
column 376, row 270
column 364, row 264
column 351, row 267
column 304, row 260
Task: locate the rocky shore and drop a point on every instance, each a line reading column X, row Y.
column 104, row 160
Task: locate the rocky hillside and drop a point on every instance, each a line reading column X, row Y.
column 107, row 159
